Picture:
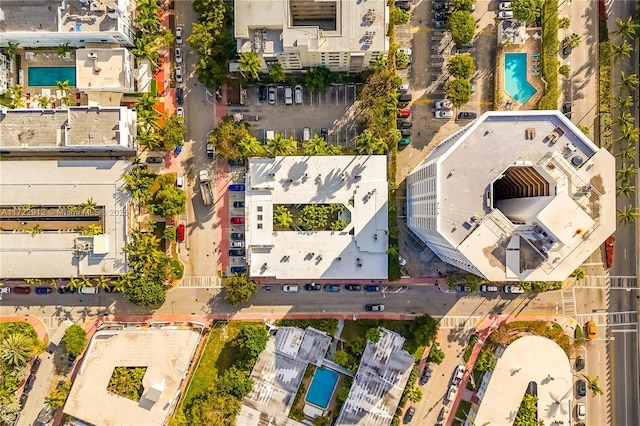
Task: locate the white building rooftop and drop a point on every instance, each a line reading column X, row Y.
column 514, row 196
column 109, row 69
column 359, row 183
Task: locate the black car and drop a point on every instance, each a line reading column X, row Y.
column 353, row 287
column 438, row 24
column 66, row 290
column 462, row 288
column 579, row 363
column 180, row 95
column 566, row 109
column 405, row 97
column 426, row 374
column 404, row 124
column 404, row 5
column 581, row 388
column 152, row 160
column 312, row 287
column 405, row 133
column 238, row 204
column 439, row 15
column 438, row 5
column 464, row 115
column 237, row 236
column 238, row 269
column 262, row 93
column 234, row 163
column 324, row 133
column 29, row 383
column 23, row 399
column 237, row 253
column 35, row 365
column 332, row 288
column 71, row 359
column 409, row 415
column 566, row 51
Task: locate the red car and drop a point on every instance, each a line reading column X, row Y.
column 180, row 233
column 404, row 113
column 237, row 220
column 22, row 290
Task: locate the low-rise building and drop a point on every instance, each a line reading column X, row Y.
column 342, row 35
column 514, row 196
column 107, row 72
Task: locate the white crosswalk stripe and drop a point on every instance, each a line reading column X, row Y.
column 453, row 322
column 201, row 282
column 602, row 281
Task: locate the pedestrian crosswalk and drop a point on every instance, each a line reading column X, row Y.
column 201, row 282
column 603, row 281
column 463, row 321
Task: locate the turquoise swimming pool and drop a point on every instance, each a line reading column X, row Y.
column 515, row 77
column 49, row 76
column 321, row 387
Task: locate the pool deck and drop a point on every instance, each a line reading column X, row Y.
column 531, row 45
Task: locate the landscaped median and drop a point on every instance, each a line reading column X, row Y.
column 550, row 63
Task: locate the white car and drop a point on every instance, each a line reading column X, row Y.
column 443, row 114
column 451, row 393
column 178, row 55
column 297, row 94
column 5, row 290
column 405, row 50
column 581, row 411
column 180, row 112
column 272, row 95
column 290, row 288
column 457, row 374
column 236, row 244
column 179, row 35
column 288, row 96
column 443, row 104
column 505, row 14
column 180, row 182
column 505, row 5
column 179, row 74
column 513, row 289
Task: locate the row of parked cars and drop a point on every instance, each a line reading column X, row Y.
column 291, row 95
column 509, row 289
column 23, row 289
column 331, row 288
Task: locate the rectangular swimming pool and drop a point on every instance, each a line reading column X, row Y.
column 49, row 76
column 321, row 388
column 515, row 77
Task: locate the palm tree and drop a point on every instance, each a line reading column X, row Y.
column 16, row 349
column 63, row 49
column 11, row 51
column 146, row 50
column 592, row 383
column 89, row 206
column 628, row 215
column 85, row 282
column 380, row 64
column 626, row 29
column 621, row 51
column 103, row 282
column 17, row 103
column 250, row 63
column 572, row 41
column 626, row 173
column 147, row 102
column 629, row 83
column 277, row 73
column 316, row 146
column 625, row 120
column 282, row 217
column 250, row 147
column 125, row 281
column 280, row 146
column 65, row 100
column 624, row 103
column 73, row 283
column 626, row 189
column 43, row 101
column 628, row 152
column 151, row 140
column 367, row 144
column 629, row 133
column 63, row 86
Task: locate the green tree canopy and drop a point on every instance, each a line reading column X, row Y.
column 368, row 144
column 146, row 291
column 398, row 16
column 462, row 26
column 314, row 216
column 526, row 10
column 225, row 137
column 139, row 180
column 458, row 91
column 168, row 201
column 75, row 340
column 235, row 382
column 16, row 349
column 436, row 355
column 252, row 339
column 280, row 145
column 282, row 217
column 462, row 4
column 318, row 79
column 528, row 412
column 250, row 64
column 277, row 73
column 59, row 395
column 373, row 334
column 318, row 146
column 173, row 132
column 210, row 408
column 239, row 289
column 461, row 66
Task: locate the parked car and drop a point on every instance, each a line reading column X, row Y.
column 581, row 388
column 5, row 290
column 180, row 112
column 488, row 288
column 66, row 290
column 23, row 399
column 504, row 5
column 404, row 142
column 465, row 115
column 426, row 374
column 22, row 290
column 404, row 113
column 404, row 123
column 35, row 365
column 236, row 163
column 43, row 290
column 372, row 288
column 332, row 288
column 457, row 374
column 179, row 74
column 237, row 253
column 374, row 307
column 288, row 96
column 566, row 50
column 438, row 5
column 440, row 14
column 443, row 114
column 439, row 25
column 580, row 363
column 405, row 133
column 404, row 5
column 238, row 269
column 297, row 94
column 237, row 236
column 290, row 288
column 312, row 287
column 405, row 97
column 591, row 330
column 451, row 393
column 180, row 233
column 71, row 359
column 28, row 385
column 237, row 220
column 445, row 104
column 513, row 289
column 505, row 14
column 44, row 416
column 236, row 187
column 443, row 413
column 406, row 50
column 566, row 109
column 262, row 93
column 180, row 95
column 352, row 287
column 460, row 288
column 238, row 204
column 272, row 95
column 236, row 244
column 409, row 414
column 581, row 411
column 88, row 290
column 154, row 160
column 179, row 35
column 178, row 55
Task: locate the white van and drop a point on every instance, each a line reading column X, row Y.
column 290, row 288
column 306, row 134
column 288, row 96
column 180, row 182
column 88, row 290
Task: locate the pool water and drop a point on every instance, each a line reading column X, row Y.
column 515, row 77
column 49, row 76
column 321, row 387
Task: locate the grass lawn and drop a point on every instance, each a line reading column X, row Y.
column 218, row 355
column 359, row 329
column 353, row 329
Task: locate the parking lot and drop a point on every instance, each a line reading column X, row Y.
column 332, row 109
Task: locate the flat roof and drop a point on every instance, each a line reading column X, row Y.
column 379, row 382
column 104, row 69
column 355, row 20
column 62, row 183
column 528, row 359
column 60, row 129
column 359, row 183
column 153, row 348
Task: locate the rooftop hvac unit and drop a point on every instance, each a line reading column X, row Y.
column 92, row 55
